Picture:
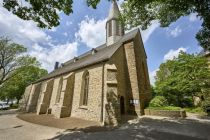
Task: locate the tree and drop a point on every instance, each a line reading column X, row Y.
column 143, row 12
column 44, row 12
column 12, row 58
column 17, row 70
column 182, row 78
column 158, row 101
column 153, row 93
column 15, row 86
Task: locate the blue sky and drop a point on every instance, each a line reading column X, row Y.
column 85, row 29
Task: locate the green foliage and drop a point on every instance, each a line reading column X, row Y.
column 180, row 79
column 197, row 110
column 144, row 12
column 206, row 105
column 165, row 108
column 93, row 3
column 44, row 12
column 158, row 101
column 153, row 91
column 16, row 70
column 13, row 106
column 11, row 58
column 15, row 87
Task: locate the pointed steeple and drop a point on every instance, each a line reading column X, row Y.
column 114, row 11
column 114, row 28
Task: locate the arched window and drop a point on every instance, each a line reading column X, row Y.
column 145, row 76
column 85, row 89
column 117, row 28
column 110, row 28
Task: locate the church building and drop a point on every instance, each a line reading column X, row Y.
column 101, row 85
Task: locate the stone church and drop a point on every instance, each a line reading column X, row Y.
column 101, row 85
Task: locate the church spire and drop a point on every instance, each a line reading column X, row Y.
column 114, row 28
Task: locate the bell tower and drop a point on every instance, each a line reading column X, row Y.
column 114, row 27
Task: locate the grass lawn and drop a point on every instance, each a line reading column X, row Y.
column 197, row 110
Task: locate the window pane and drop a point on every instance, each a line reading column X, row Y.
column 110, row 28
column 85, row 89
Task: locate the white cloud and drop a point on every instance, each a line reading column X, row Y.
column 152, row 76
column 148, row 32
column 24, row 32
column 193, row 17
column 120, row 2
column 28, row 34
column 65, row 34
column 92, row 32
column 68, row 23
column 54, row 29
column 174, row 32
column 174, row 53
column 48, row 56
column 40, row 44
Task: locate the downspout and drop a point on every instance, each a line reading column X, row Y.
column 102, row 96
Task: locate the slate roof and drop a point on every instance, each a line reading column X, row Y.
column 103, row 53
column 114, row 11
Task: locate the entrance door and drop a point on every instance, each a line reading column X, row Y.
column 122, row 105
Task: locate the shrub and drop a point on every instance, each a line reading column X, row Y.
column 158, row 101
column 197, row 110
column 206, row 105
column 13, row 106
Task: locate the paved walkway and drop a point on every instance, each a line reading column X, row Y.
column 69, row 123
column 153, row 128
column 148, row 129
column 12, row 128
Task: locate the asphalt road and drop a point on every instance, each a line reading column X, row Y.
column 12, row 128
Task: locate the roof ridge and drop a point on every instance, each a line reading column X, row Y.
column 104, row 53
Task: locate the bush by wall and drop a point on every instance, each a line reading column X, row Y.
column 206, row 105
column 158, row 101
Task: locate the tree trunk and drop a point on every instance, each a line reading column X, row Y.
column 7, row 101
column 18, row 101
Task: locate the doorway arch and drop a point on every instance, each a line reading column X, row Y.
column 122, row 105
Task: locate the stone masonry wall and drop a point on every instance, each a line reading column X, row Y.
column 53, row 104
column 166, row 113
column 63, row 108
column 118, row 60
column 93, row 109
column 34, row 95
column 111, row 111
column 45, row 97
column 24, row 101
column 133, row 81
column 142, row 69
